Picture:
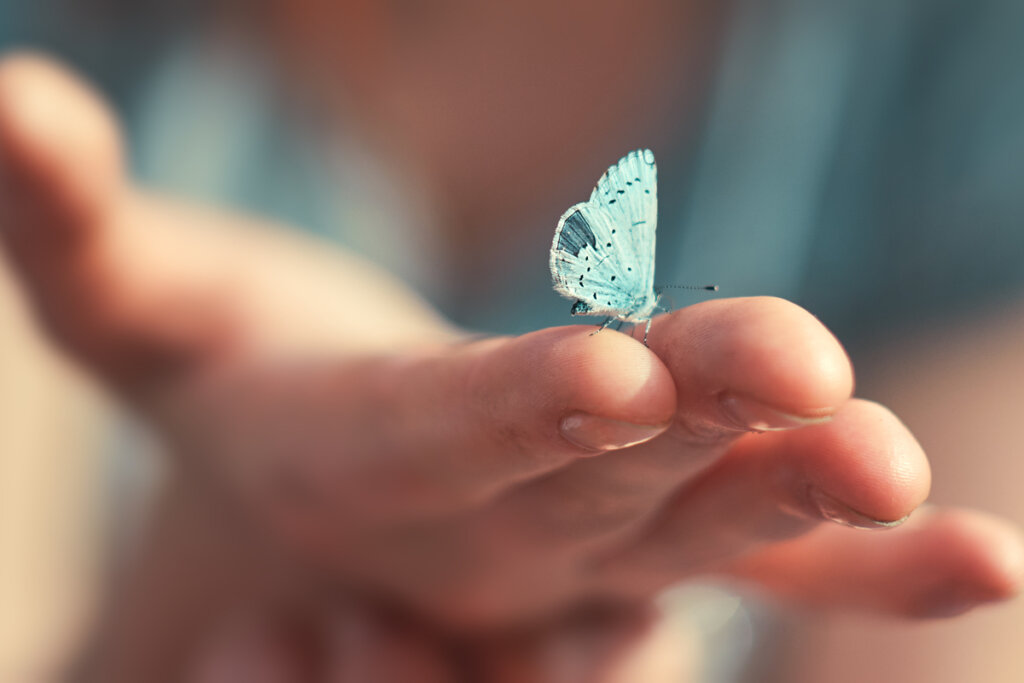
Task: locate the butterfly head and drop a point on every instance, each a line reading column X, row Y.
column 580, row 308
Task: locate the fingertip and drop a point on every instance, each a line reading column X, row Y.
column 603, row 390
column 59, row 142
column 1009, row 563
column 764, row 348
column 611, row 375
column 794, row 360
column 942, row 563
column 867, row 466
column 965, row 559
column 990, row 550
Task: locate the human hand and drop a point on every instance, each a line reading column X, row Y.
column 339, row 438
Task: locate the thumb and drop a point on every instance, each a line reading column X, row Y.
column 61, row 154
column 73, row 230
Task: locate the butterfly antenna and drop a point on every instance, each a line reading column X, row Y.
column 660, row 291
column 705, row 288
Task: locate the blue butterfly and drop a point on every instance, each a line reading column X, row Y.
column 602, row 255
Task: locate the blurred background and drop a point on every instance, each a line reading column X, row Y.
column 863, row 159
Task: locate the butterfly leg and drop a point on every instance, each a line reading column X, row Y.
column 603, row 325
column 647, row 331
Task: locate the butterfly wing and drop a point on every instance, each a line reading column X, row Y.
column 602, row 254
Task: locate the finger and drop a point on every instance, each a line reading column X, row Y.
column 62, row 153
column 738, row 365
column 863, row 469
column 405, row 438
column 123, row 299
column 942, row 562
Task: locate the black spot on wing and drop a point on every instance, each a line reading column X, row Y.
column 576, row 234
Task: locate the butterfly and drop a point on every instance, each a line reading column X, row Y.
column 602, row 255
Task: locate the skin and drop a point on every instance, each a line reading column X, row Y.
column 373, row 472
column 359, row 491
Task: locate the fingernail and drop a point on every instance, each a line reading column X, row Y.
column 841, row 513
column 604, row 434
column 751, row 415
